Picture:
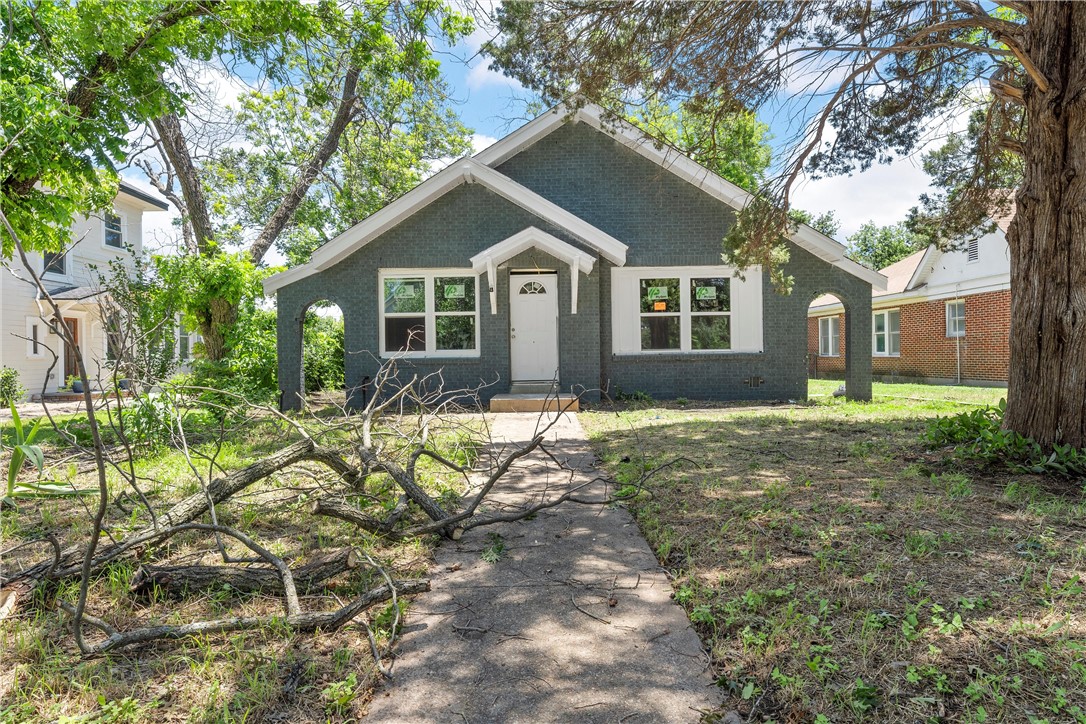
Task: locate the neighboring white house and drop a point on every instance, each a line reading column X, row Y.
column 26, row 342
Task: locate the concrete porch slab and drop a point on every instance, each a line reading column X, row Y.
column 533, row 403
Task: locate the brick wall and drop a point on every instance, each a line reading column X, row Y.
column 664, row 220
column 926, row 351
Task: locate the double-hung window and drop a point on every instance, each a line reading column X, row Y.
column 113, row 230
column 955, row 319
column 886, row 333
column 685, row 313
column 431, row 313
column 829, row 337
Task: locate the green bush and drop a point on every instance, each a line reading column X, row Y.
column 150, row 420
column 10, row 389
column 322, row 345
column 979, row 435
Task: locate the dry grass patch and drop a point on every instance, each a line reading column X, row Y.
column 837, row 570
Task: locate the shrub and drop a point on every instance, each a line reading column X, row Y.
column 10, row 389
column 150, row 420
column 979, row 434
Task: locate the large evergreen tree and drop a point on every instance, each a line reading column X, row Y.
column 876, row 77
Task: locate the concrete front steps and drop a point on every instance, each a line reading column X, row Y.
column 534, row 397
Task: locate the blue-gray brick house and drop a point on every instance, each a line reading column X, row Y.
column 574, row 249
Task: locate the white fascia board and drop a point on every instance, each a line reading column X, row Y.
column 675, row 161
column 528, row 238
column 922, row 268
column 463, row 171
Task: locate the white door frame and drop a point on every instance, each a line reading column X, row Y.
column 533, row 328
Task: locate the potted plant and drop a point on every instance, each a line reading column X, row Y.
column 74, row 384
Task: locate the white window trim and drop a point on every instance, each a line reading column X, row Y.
column 124, row 231
column 430, row 314
column 43, row 331
column 746, row 309
column 951, row 334
column 886, row 313
column 834, row 323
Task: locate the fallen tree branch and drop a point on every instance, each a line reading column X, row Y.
column 179, row 579
column 304, row 621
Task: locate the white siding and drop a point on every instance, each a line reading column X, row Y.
column 18, row 301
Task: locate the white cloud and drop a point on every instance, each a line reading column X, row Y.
column 883, row 194
column 482, row 74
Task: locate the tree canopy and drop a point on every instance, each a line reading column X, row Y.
column 880, row 246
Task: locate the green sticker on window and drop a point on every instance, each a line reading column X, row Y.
column 657, row 293
column 455, row 291
column 405, row 291
column 703, row 293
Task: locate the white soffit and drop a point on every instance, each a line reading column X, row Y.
column 464, row 171
column 675, row 161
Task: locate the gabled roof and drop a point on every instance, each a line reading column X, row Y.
column 464, row 171
column 673, row 160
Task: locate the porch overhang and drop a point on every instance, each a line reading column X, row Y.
column 488, row 260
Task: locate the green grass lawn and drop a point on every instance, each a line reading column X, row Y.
column 838, row 570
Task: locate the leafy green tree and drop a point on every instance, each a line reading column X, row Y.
column 735, row 146
column 873, row 80
column 826, row 222
column 78, row 77
column 880, row 246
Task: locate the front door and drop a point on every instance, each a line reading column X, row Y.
column 533, row 327
column 70, row 366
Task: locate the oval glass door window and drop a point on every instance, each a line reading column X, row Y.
column 533, row 288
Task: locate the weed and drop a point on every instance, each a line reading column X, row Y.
column 340, row 695
column 494, row 549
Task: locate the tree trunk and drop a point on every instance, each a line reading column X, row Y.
column 1047, row 387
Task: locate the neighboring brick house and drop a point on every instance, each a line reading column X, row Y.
column 26, row 342
column 944, row 317
column 576, row 250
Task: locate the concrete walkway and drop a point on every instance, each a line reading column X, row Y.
column 574, row 623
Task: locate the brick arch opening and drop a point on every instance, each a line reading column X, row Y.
column 836, row 340
column 323, row 357
column 297, row 330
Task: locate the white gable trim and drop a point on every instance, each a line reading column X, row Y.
column 464, row 171
column 678, row 163
column 489, row 259
column 920, row 274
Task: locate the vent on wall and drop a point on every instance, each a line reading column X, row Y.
column 754, row 381
column 972, row 252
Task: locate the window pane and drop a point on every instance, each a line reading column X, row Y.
column 659, row 296
column 405, row 296
column 405, row 333
column 880, row 323
column 454, row 294
column 710, row 332
column 455, row 332
column 659, row 333
column 113, row 230
column 880, row 343
column 53, row 262
column 710, row 295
